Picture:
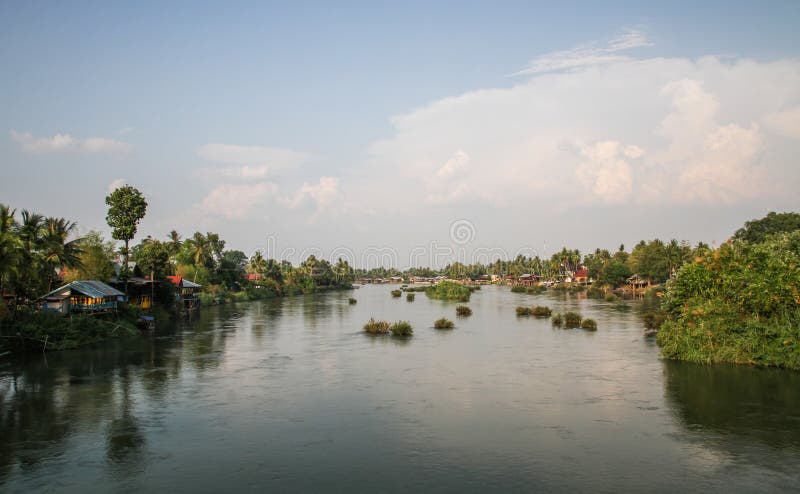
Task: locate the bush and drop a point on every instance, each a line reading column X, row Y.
column 589, row 324
column 610, row 297
column 410, row 297
column 463, row 310
column 557, row 320
column 541, row 311
column 523, row 311
column 376, row 327
column 352, row 301
column 401, row 328
column 572, row 319
column 654, row 319
column 518, row 289
column 595, row 292
column 396, row 293
column 63, row 333
column 447, row 290
column 443, row 323
column 736, row 304
column 535, row 289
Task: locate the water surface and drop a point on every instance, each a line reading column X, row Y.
column 289, row 395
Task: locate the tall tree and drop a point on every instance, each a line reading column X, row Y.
column 126, row 207
column 757, row 230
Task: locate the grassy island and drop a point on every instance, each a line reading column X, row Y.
column 447, row 290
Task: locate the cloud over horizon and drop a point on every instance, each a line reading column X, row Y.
column 66, row 143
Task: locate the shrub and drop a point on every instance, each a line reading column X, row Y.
column 352, row 301
column 595, row 292
column 610, row 297
column 535, row 289
column 523, row 311
column 443, row 323
column 541, row 311
column 654, row 319
column 589, row 324
column 396, row 293
column 572, row 319
column 410, row 297
column 376, row 327
column 463, row 310
column 518, row 289
column 557, row 320
column 447, row 290
column 401, row 328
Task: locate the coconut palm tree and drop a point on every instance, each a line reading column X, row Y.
column 57, row 250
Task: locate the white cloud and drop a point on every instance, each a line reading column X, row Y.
column 236, row 201
column 65, row 142
column 588, row 54
column 115, row 184
column 655, row 131
column 322, row 194
column 785, row 122
column 254, row 162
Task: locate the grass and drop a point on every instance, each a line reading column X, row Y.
column 572, row 319
column 535, row 289
column 523, row 311
column 443, row 323
column 541, row 311
column 352, row 301
column 410, row 297
column 396, row 293
column 654, row 319
column 376, row 327
column 463, row 311
column 557, row 319
column 610, row 297
column 447, row 290
column 589, row 324
column 401, row 328
column 518, row 289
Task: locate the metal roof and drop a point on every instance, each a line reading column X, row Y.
column 91, row 288
column 190, row 284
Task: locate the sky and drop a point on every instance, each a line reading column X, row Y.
column 405, row 133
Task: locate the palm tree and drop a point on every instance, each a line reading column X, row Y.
column 10, row 245
column 174, row 242
column 257, row 263
column 200, row 250
column 58, row 251
column 31, row 233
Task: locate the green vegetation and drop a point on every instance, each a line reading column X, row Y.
column 448, row 290
column 523, row 311
column 376, row 327
column 589, row 324
column 572, row 319
column 443, row 323
column 126, row 207
column 654, row 319
column 535, row 289
column 352, row 301
column 739, row 304
column 410, row 297
column 401, row 328
column 756, row 231
column 541, row 311
column 52, row 331
column 396, row 293
column 518, row 289
column 557, row 319
column 463, row 311
column 610, row 297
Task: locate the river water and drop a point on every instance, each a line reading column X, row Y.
column 289, row 395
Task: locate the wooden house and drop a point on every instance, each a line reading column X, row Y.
column 187, row 291
column 88, row 296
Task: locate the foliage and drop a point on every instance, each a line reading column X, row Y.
column 396, row 293
column 589, row 324
column 96, row 260
column 557, row 319
column 152, row 257
column 401, row 328
column 541, row 311
column 572, row 319
column 443, row 323
column 376, row 327
column 654, row 319
column 737, row 304
column 755, row 231
column 448, row 290
column 614, row 273
column 410, row 297
column 523, row 311
column 535, row 289
column 518, row 289
column 463, row 311
column 126, row 207
column 62, row 333
column 352, row 301
column 610, row 297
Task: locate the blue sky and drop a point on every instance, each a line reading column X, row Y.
column 326, row 126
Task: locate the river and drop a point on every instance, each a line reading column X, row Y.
column 290, row 395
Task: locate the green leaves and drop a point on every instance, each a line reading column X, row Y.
column 126, row 207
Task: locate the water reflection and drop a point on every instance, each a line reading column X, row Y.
column 757, row 404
